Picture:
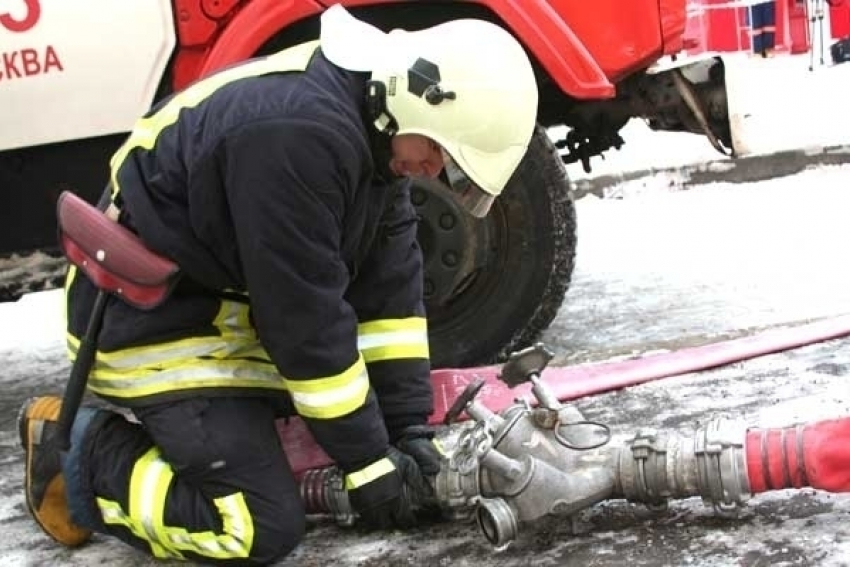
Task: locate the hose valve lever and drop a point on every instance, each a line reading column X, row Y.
column 463, row 401
column 525, row 365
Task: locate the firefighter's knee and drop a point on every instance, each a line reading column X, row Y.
column 288, row 535
column 277, row 535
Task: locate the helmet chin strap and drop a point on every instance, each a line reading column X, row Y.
column 381, row 126
column 376, row 108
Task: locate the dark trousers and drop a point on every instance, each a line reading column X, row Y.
column 764, row 26
column 203, row 479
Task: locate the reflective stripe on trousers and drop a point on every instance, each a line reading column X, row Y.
column 145, row 517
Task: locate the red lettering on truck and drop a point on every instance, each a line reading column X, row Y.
column 30, row 19
column 28, row 62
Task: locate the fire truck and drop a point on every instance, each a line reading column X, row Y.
column 75, row 74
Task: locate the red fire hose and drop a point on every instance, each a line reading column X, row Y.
column 572, row 382
column 816, row 455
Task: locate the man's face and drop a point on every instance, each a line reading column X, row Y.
column 416, row 156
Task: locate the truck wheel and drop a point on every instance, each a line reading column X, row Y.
column 492, row 285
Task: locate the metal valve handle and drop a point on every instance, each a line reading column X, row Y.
column 525, row 364
column 463, row 400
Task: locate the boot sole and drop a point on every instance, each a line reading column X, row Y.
column 23, row 418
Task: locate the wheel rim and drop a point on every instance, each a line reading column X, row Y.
column 457, row 250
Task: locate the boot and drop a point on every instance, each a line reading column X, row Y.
column 44, row 483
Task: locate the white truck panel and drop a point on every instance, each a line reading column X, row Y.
column 84, row 68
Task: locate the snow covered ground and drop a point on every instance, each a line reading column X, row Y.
column 656, row 270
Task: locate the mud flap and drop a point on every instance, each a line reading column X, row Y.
column 742, row 96
column 776, row 104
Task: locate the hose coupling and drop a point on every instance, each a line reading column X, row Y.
column 657, row 466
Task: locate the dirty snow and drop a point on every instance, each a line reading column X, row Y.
column 770, row 246
column 655, row 270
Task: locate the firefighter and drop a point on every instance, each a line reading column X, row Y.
column 280, row 187
column 763, row 22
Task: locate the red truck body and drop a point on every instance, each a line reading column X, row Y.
column 585, row 49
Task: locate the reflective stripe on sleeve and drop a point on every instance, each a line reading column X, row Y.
column 392, row 339
column 364, row 476
column 331, row 396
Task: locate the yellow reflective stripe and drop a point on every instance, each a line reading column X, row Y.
column 372, row 472
column 147, row 130
column 332, row 396
column 158, row 481
column 392, row 325
column 149, row 483
column 237, row 524
column 236, row 539
column 202, row 374
column 234, row 319
column 193, row 369
column 236, row 359
column 112, row 514
column 129, row 392
column 390, row 339
column 175, row 352
column 439, row 446
column 69, row 279
column 145, row 481
column 237, row 340
column 396, row 352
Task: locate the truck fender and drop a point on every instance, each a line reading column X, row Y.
column 252, row 26
column 546, row 36
column 555, row 45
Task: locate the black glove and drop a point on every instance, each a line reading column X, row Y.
column 418, row 442
column 390, row 501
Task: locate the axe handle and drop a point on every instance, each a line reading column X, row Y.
column 83, row 363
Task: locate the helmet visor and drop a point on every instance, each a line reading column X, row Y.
column 470, row 196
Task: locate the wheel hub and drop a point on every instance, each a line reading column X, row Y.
column 453, row 242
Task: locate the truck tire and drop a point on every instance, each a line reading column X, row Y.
column 492, row 285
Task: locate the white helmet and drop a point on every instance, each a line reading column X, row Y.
column 466, row 84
